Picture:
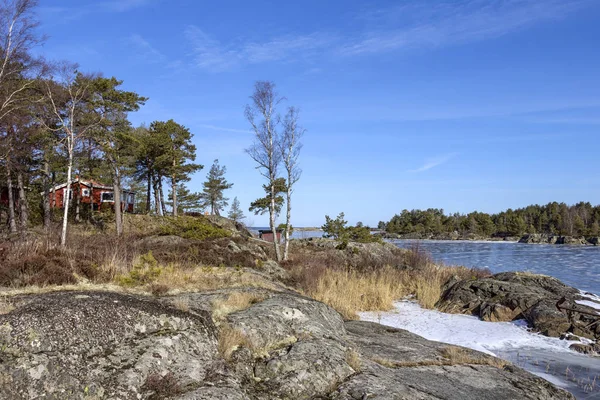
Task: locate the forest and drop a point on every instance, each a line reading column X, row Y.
column 581, row 219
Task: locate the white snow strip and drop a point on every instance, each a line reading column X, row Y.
column 464, row 330
column 588, row 303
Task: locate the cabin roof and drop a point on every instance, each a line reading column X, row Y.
column 90, row 184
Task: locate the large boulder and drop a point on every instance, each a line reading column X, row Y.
column 70, row 345
column 397, row 364
column 549, row 306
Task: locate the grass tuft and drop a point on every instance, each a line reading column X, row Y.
column 234, row 302
column 230, row 339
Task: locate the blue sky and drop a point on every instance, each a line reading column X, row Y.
column 462, row 105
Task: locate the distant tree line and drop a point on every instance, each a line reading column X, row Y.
column 581, row 219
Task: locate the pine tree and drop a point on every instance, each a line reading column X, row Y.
column 176, row 159
column 235, row 213
column 215, row 185
column 187, row 201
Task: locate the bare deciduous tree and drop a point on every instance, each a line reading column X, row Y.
column 263, row 118
column 289, row 148
column 18, row 68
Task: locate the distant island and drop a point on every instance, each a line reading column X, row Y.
column 554, row 223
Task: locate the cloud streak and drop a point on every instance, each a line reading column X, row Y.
column 210, row 54
column 434, row 162
column 419, row 25
column 144, row 49
column 455, row 22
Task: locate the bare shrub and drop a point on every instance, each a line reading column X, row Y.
column 417, row 258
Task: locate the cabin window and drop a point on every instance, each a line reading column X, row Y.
column 107, row 196
column 85, row 192
column 68, row 192
column 130, row 198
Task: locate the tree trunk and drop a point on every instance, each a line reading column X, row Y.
column 46, row 200
column 12, row 223
column 157, row 207
column 162, row 196
column 117, row 199
column 53, row 183
column 174, row 193
column 23, row 206
column 288, row 225
column 63, row 234
column 149, row 192
column 272, row 223
column 77, row 199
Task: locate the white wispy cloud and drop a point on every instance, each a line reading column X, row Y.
column 60, row 14
column 454, row 22
column 416, row 25
column 212, row 55
column 123, row 5
column 144, row 49
column 223, row 129
column 434, row 162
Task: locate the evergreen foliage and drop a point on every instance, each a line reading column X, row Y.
column 581, row 219
column 235, row 213
column 212, row 196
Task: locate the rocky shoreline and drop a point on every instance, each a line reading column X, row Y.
column 84, row 345
column 530, row 238
column 537, row 238
column 255, row 338
column 549, row 306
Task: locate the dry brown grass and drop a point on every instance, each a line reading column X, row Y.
column 236, row 301
column 353, row 359
column 450, row 355
column 230, row 339
column 366, row 285
column 459, row 356
column 6, row 305
column 186, row 279
column 182, row 304
column 350, row 292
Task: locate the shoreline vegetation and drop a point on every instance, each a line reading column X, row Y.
column 553, row 223
column 527, row 238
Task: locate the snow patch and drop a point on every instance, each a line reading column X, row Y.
column 588, row 303
column 464, row 330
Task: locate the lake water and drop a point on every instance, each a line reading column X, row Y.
column 577, row 266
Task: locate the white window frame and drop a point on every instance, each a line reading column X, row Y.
column 85, row 192
column 107, row 201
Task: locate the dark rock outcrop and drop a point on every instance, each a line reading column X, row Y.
column 539, row 238
column 83, row 345
column 547, row 304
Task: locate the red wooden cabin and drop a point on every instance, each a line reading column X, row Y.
column 97, row 195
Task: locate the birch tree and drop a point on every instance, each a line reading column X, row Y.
column 289, row 148
column 19, row 70
column 67, row 101
column 263, row 117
